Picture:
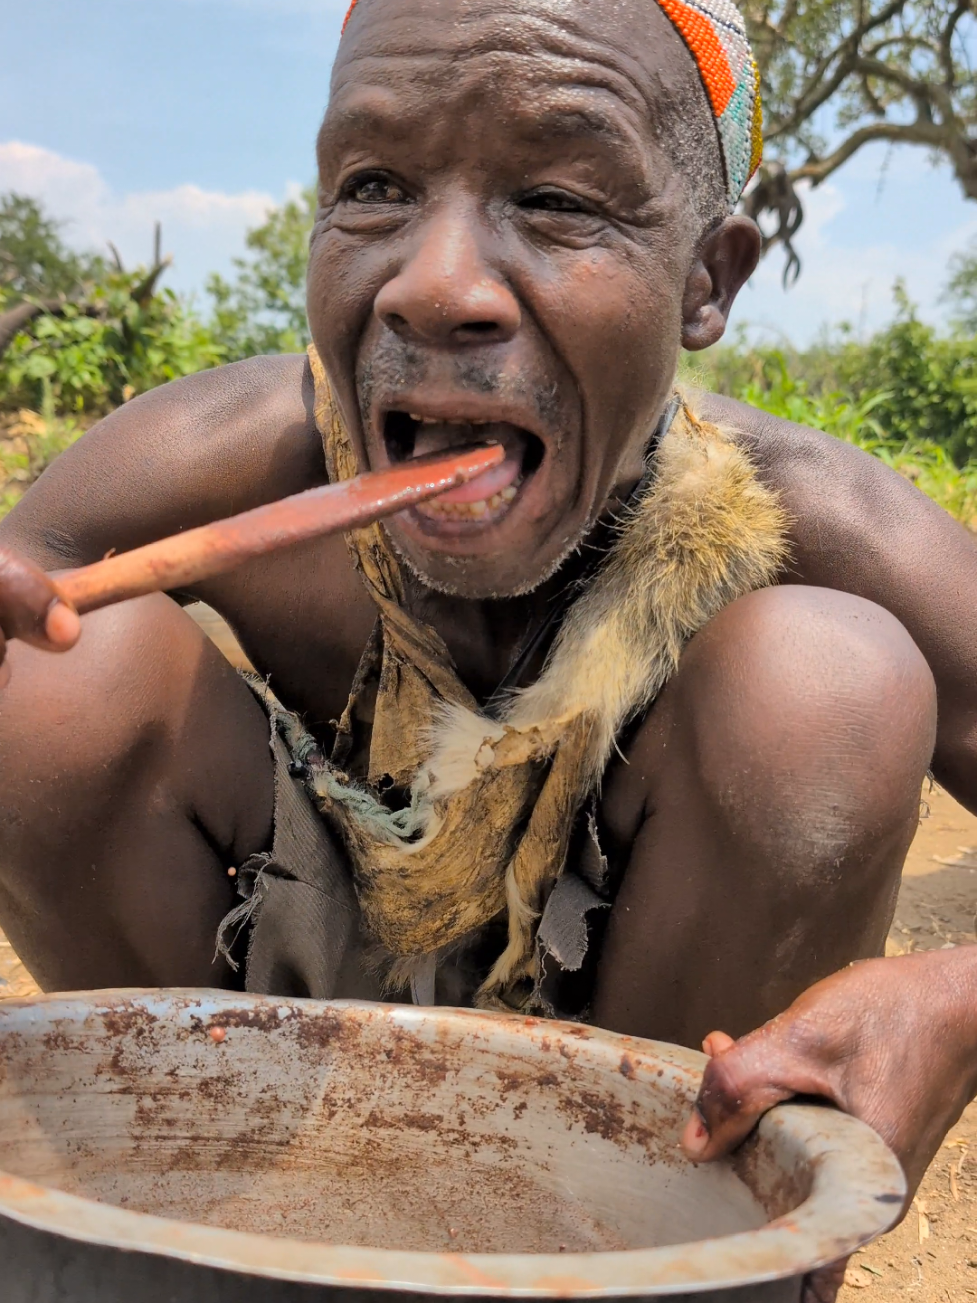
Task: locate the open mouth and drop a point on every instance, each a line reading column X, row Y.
column 484, row 500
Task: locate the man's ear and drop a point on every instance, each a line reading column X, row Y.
column 724, row 262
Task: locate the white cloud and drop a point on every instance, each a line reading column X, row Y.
column 203, row 229
column 860, row 234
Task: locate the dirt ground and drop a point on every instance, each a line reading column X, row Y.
column 932, row 1256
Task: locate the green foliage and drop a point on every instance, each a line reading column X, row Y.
column 915, row 384
column 929, row 382
column 93, row 363
column 961, row 289
column 263, row 310
column 106, row 333
column 34, row 260
column 907, row 396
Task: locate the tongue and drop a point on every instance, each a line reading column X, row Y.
column 487, row 484
column 442, row 438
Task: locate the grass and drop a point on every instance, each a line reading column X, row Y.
column 923, row 462
column 29, row 443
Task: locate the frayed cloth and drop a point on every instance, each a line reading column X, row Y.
column 490, row 804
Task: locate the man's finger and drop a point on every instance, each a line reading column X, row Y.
column 31, row 606
column 62, row 625
column 717, row 1043
column 741, row 1083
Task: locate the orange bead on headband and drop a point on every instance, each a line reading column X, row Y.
column 715, row 34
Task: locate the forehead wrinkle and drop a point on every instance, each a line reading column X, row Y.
column 409, row 36
column 369, row 110
column 559, row 112
column 568, row 116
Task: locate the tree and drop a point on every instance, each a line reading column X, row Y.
column 34, row 260
column 79, row 333
column 962, row 289
column 263, row 310
column 837, row 75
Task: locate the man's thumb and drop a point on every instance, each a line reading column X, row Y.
column 739, row 1085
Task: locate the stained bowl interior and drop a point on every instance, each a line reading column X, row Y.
column 429, row 1131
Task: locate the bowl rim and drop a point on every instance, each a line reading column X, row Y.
column 858, row 1191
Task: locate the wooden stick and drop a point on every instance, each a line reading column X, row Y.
column 212, row 549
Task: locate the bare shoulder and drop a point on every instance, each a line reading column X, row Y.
column 855, row 523
column 858, row 526
column 201, row 447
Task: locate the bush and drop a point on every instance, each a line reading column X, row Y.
column 96, row 355
column 890, row 422
column 263, row 310
column 101, row 333
column 918, row 386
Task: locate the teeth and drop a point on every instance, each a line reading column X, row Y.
column 470, row 510
column 437, row 420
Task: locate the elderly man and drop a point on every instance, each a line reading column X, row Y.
column 631, row 729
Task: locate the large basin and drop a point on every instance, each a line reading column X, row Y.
column 189, row 1146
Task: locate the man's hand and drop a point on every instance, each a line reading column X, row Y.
column 890, row 1041
column 32, row 609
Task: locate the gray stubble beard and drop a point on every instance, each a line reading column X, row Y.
column 462, row 591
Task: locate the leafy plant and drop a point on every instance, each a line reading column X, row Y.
column 263, row 310
column 93, row 334
column 919, row 385
column 94, row 360
column 839, row 389
column 34, row 260
column 961, row 289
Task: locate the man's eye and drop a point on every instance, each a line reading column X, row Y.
column 374, row 190
column 553, row 201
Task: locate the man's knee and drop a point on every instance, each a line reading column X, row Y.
column 811, row 703
column 141, row 693
column 136, row 769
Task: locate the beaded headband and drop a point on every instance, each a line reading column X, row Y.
column 716, row 37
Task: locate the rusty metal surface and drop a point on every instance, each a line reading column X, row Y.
column 434, row 1151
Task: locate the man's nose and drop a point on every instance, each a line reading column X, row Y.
column 445, row 292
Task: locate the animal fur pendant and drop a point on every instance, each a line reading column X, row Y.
column 493, row 802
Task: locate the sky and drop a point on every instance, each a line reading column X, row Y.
column 202, row 114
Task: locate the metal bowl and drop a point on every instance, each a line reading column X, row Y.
column 196, row 1145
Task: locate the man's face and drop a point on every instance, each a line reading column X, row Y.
column 502, row 253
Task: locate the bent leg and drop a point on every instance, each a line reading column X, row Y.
column 136, row 771
column 765, row 812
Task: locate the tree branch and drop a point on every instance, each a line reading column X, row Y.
column 817, row 91
column 946, row 43
column 914, row 133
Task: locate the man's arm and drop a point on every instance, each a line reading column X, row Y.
column 891, row 1041
column 860, row 527
column 189, row 452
